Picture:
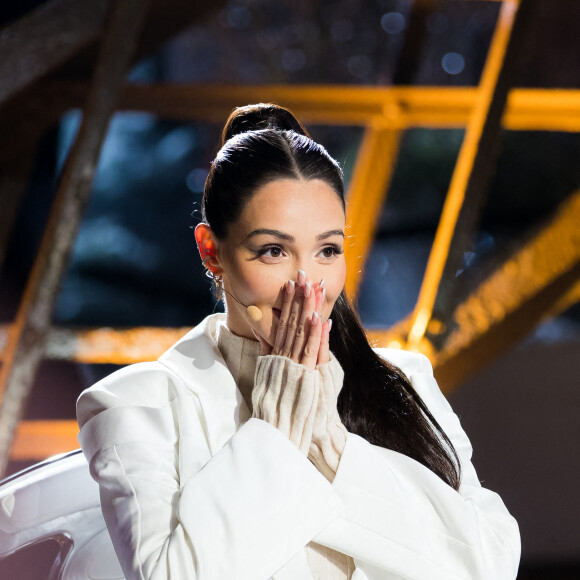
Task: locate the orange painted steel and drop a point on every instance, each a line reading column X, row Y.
column 463, row 170
column 368, row 190
column 27, row 337
column 521, row 277
column 35, row 440
column 385, row 113
column 543, row 110
column 521, row 280
column 535, row 283
column 435, row 107
column 113, row 346
column 107, row 345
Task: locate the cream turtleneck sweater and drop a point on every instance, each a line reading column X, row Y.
column 241, row 356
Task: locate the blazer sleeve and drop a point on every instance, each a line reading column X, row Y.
column 409, row 523
column 241, row 513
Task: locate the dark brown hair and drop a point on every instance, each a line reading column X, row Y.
column 264, row 142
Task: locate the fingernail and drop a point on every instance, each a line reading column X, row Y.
column 322, row 283
column 301, row 277
column 323, row 294
column 314, row 318
column 329, row 324
column 307, row 289
column 290, row 285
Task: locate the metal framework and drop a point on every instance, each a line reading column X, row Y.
column 540, row 280
column 27, row 337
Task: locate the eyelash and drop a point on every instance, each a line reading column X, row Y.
column 336, row 250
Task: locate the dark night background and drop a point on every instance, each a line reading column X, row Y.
column 135, row 261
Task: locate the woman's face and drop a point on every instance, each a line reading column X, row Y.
column 287, row 225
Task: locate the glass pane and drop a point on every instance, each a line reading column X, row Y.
column 135, row 260
column 551, row 59
column 263, row 42
column 456, row 38
column 342, row 143
column 396, row 264
column 135, row 252
column 535, row 173
column 64, row 381
column 30, row 563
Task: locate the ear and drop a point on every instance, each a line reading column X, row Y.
column 207, row 246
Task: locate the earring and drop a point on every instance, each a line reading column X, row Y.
column 208, row 272
column 218, row 287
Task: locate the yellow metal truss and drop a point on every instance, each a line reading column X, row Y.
column 530, row 281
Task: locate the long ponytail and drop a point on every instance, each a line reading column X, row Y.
column 264, row 142
column 378, row 402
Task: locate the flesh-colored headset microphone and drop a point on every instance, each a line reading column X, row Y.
column 254, row 312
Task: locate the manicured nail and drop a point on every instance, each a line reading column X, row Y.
column 301, row 277
column 314, row 318
column 321, row 285
column 290, row 286
column 323, row 294
column 307, row 289
column 329, row 324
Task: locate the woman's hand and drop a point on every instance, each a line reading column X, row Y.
column 301, row 335
column 302, row 404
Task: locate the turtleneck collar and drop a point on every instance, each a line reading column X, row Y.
column 241, row 356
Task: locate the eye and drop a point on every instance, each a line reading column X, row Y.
column 274, row 252
column 271, row 252
column 331, row 251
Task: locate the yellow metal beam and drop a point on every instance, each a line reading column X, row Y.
column 539, row 281
column 37, row 440
column 435, row 107
column 368, row 189
column 489, row 101
column 543, row 110
column 106, row 345
column 27, row 339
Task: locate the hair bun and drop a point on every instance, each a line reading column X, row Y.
column 261, row 116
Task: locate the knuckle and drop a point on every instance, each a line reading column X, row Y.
column 309, row 351
column 292, row 321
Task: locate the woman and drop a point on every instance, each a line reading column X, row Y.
column 272, row 441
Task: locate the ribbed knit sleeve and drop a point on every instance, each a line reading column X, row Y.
column 302, row 405
column 328, row 434
column 285, row 395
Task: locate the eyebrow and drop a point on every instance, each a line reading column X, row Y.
column 287, row 237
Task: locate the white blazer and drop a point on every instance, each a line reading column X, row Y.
column 192, row 487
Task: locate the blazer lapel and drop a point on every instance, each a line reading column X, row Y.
column 197, row 361
column 199, row 364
